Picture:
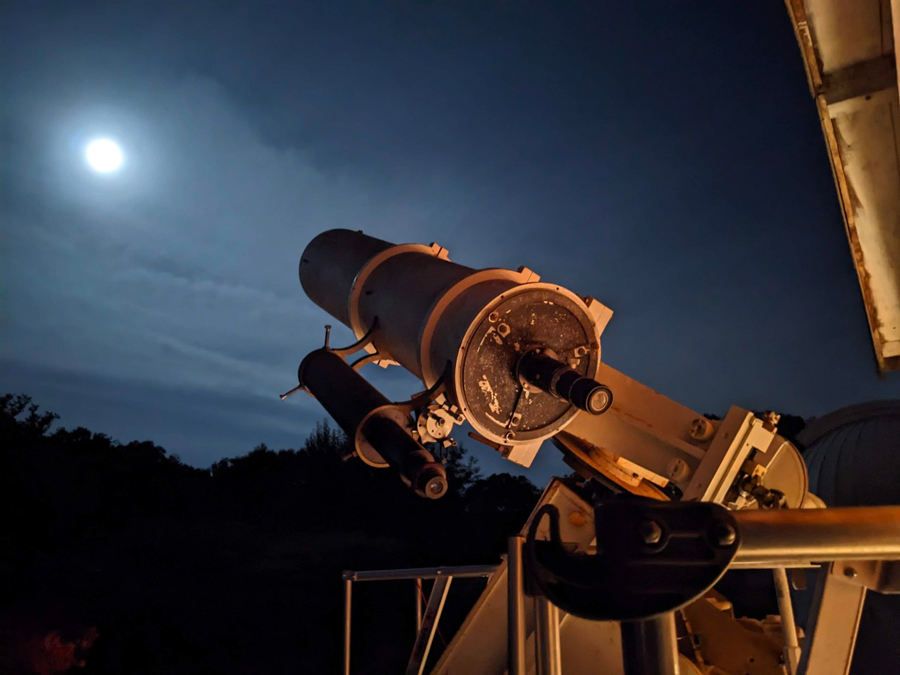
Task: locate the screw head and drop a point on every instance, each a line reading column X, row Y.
column 650, row 532
column 850, row 573
column 723, row 534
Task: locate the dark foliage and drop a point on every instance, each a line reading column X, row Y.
column 119, row 558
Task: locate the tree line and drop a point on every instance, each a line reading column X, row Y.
column 120, row 558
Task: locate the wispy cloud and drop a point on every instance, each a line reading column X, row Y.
column 495, row 133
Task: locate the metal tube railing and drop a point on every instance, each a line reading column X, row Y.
column 348, row 606
column 515, row 579
column 548, row 652
column 460, row 572
column 793, row 536
column 769, row 539
column 426, row 624
column 419, row 593
column 788, row 625
column 650, row 646
column 419, row 657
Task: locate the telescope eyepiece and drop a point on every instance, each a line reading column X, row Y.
column 540, row 368
column 598, row 400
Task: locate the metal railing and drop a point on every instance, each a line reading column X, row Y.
column 769, row 539
column 427, row 622
column 813, row 538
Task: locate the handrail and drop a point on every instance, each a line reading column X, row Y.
column 768, row 539
column 795, row 536
column 426, row 624
column 460, row 572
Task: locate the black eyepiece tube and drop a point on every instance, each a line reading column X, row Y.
column 357, row 406
column 542, row 369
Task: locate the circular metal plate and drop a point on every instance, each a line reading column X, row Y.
column 787, row 472
column 493, row 397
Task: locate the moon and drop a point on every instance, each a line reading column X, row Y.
column 104, row 155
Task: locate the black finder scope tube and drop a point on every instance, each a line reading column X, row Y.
column 541, row 368
column 356, row 406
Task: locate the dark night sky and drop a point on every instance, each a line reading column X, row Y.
column 663, row 157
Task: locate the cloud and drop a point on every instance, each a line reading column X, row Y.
column 190, row 283
column 708, row 228
column 199, row 425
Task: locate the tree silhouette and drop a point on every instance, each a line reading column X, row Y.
column 231, row 569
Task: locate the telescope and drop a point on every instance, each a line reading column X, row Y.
column 675, row 498
column 519, row 359
column 514, row 357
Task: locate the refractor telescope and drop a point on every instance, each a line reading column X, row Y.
column 519, row 360
column 514, row 357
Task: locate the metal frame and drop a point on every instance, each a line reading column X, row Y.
column 426, row 624
column 433, row 609
column 547, row 646
column 834, row 621
column 769, row 539
column 650, row 646
column 788, row 624
column 515, row 580
column 649, row 440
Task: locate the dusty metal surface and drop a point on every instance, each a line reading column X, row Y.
column 493, row 394
column 849, row 54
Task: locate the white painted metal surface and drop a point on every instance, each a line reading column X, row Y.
column 848, row 48
column 587, row 647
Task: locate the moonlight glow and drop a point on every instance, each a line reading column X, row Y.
column 104, row 155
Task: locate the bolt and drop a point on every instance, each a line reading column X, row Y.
column 723, row 534
column 677, row 469
column 701, row 429
column 849, row 572
column 510, row 435
column 650, row 532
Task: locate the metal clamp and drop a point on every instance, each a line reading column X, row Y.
column 652, row 558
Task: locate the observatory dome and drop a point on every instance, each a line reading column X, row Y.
column 853, row 458
column 853, row 454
